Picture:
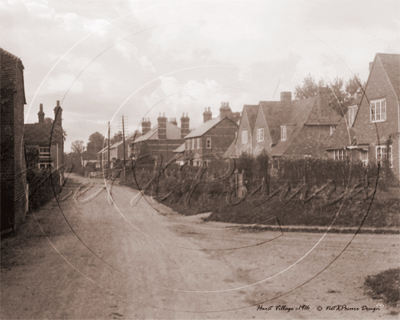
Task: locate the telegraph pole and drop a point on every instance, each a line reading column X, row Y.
column 108, row 142
column 123, row 137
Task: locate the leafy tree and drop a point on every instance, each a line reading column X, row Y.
column 77, row 147
column 95, row 143
column 342, row 95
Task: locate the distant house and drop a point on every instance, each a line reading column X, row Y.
column 46, row 136
column 286, row 128
column 213, row 137
column 14, row 203
column 371, row 133
column 162, row 139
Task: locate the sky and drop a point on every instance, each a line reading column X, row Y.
column 104, row 59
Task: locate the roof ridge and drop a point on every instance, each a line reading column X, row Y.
column 14, row 57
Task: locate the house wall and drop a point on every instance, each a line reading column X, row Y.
column 267, row 143
column 378, row 133
column 12, row 178
column 157, row 147
column 244, row 126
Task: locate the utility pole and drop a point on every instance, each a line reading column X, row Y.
column 108, row 142
column 123, row 137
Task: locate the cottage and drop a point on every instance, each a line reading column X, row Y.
column 14, row 193
column 371, row 131
column 162, row 139
column 213, row 137
column 46, row 136
column 286, row 127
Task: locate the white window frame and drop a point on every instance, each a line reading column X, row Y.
column 378, row 110
column 198, row 143
column 384, row 147
column 45, row 158
column 260, row 134
column 283, row 133
column 332, row 130
column 208, row 143
column 364, row 161
column 245, row 137
column 193, row 143
column 339, row 154
column 307, row 156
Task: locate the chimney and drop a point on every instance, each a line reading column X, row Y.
column 57, row 114
column 370, row 66
column 184, row 125
column 323, row 101
column 146, row 125
column 207, row 114
column 173, row 121
column 41, row 114
column 162, row 127
column 225, row 110
column 286, row 96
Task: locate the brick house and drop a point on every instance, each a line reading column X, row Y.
column 286, row 127
column 162, row 139
column 46, row 136
column 14, row 202
column 213, row 137
column 371, row 131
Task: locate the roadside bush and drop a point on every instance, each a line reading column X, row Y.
column 384, row 285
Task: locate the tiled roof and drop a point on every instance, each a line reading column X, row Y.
column 391, row 65
column 342, row 137
column 173, row 133
column 42, row 134
column 181, row 148
column 251, row 112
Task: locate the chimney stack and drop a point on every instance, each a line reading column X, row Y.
column 57, row 114
column 146, row 125
column 207, row 114
column 184, row 125
column 323, row 101
column 162, row 127
column 173, row 121
column 41, row 114
column 225, row 110
column 286, row 96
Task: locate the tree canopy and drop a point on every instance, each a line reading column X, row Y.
column 342, row 95
column 95, row 143
column 77, row 147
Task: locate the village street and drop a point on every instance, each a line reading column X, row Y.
column 103, row 261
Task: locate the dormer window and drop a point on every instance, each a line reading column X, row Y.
column 283, row 133
column 352, row 114
column 378, row 110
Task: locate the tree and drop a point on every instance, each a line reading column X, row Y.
column 341, row 96
column 64, row 133
column 77, row 147
column 95, row 143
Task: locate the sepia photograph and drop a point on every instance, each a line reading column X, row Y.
column 200, row 159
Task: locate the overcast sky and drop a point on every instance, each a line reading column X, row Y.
column 107, row 58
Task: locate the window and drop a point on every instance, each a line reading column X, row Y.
column 307, row 156
column 332, row 130
column 283, row 133
column 378, row 110
column 383, row 154
column 188, row 144
column 352, row 114
column 364, row 157
column 260, row 135
column 339, row 154
column 193, row 143
column 244, row 137
column 198, row 143
column 208, row 143
column 44, row 157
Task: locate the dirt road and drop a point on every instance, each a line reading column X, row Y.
column 103, row 261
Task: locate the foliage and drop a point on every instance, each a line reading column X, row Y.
column 384, row 285
column 342, row 95
column 77, row 147
column 31, row 156
column 95, row 144
column 64, row 133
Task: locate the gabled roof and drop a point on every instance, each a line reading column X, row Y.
column 342, row 137
column 173, row 133
column 391, row 65
column 251, row 112
column 203, row 128
column 42, row 134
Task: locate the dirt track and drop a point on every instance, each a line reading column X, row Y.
column 136, row 263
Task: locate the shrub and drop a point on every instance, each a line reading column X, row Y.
column 384, row 285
